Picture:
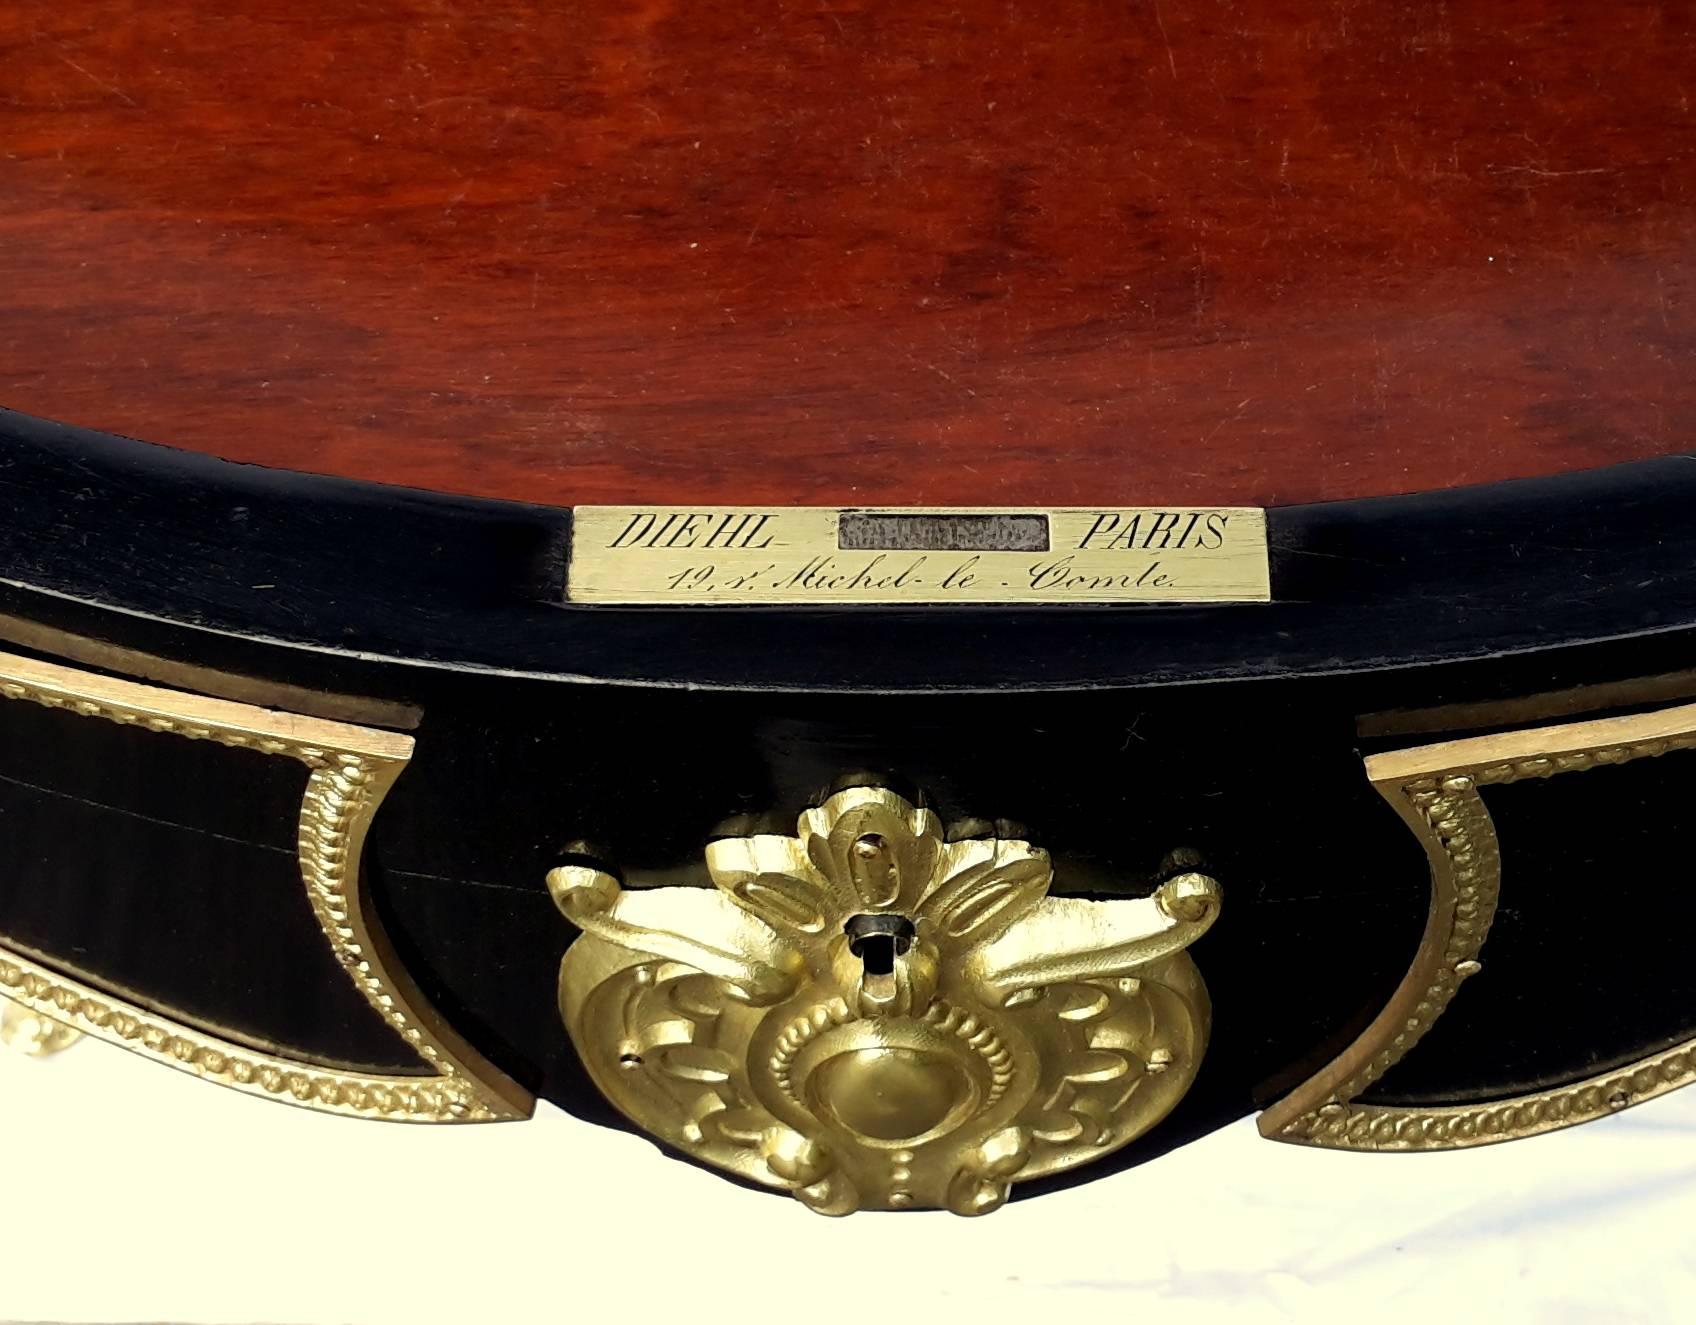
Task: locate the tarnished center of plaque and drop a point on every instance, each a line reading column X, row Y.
column 870, row 1016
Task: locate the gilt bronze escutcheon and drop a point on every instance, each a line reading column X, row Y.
column 873, row 1017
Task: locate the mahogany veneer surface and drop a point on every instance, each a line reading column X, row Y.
column 926, row 252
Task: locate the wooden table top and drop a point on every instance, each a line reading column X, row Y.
column 943, row 251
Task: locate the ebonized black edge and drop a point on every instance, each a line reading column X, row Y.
column 368, row 571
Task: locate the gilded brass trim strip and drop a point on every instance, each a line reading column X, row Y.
column 1573, row 702
column 118, row 1021
column 1435, row 790
column 1458, row 1126
column 90, row 652
column 351, row 770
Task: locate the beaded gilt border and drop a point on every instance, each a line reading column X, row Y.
column 1435, row 790
column 350, row 771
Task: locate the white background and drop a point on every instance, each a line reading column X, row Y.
column 132, row 1192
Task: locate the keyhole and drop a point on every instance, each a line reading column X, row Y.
column 877, row 951
column 877, row 941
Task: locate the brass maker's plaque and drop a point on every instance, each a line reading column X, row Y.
column 818, row 554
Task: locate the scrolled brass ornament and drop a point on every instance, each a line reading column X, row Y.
column 870, row 1016
column 26, row 1031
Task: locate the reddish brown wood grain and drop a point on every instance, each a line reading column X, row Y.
column 970, row 252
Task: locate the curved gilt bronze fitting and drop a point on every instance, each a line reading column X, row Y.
column 33, row 1033
column 871, row 1017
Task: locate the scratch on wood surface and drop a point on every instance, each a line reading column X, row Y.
column 99, row 82
column 1160, row 22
